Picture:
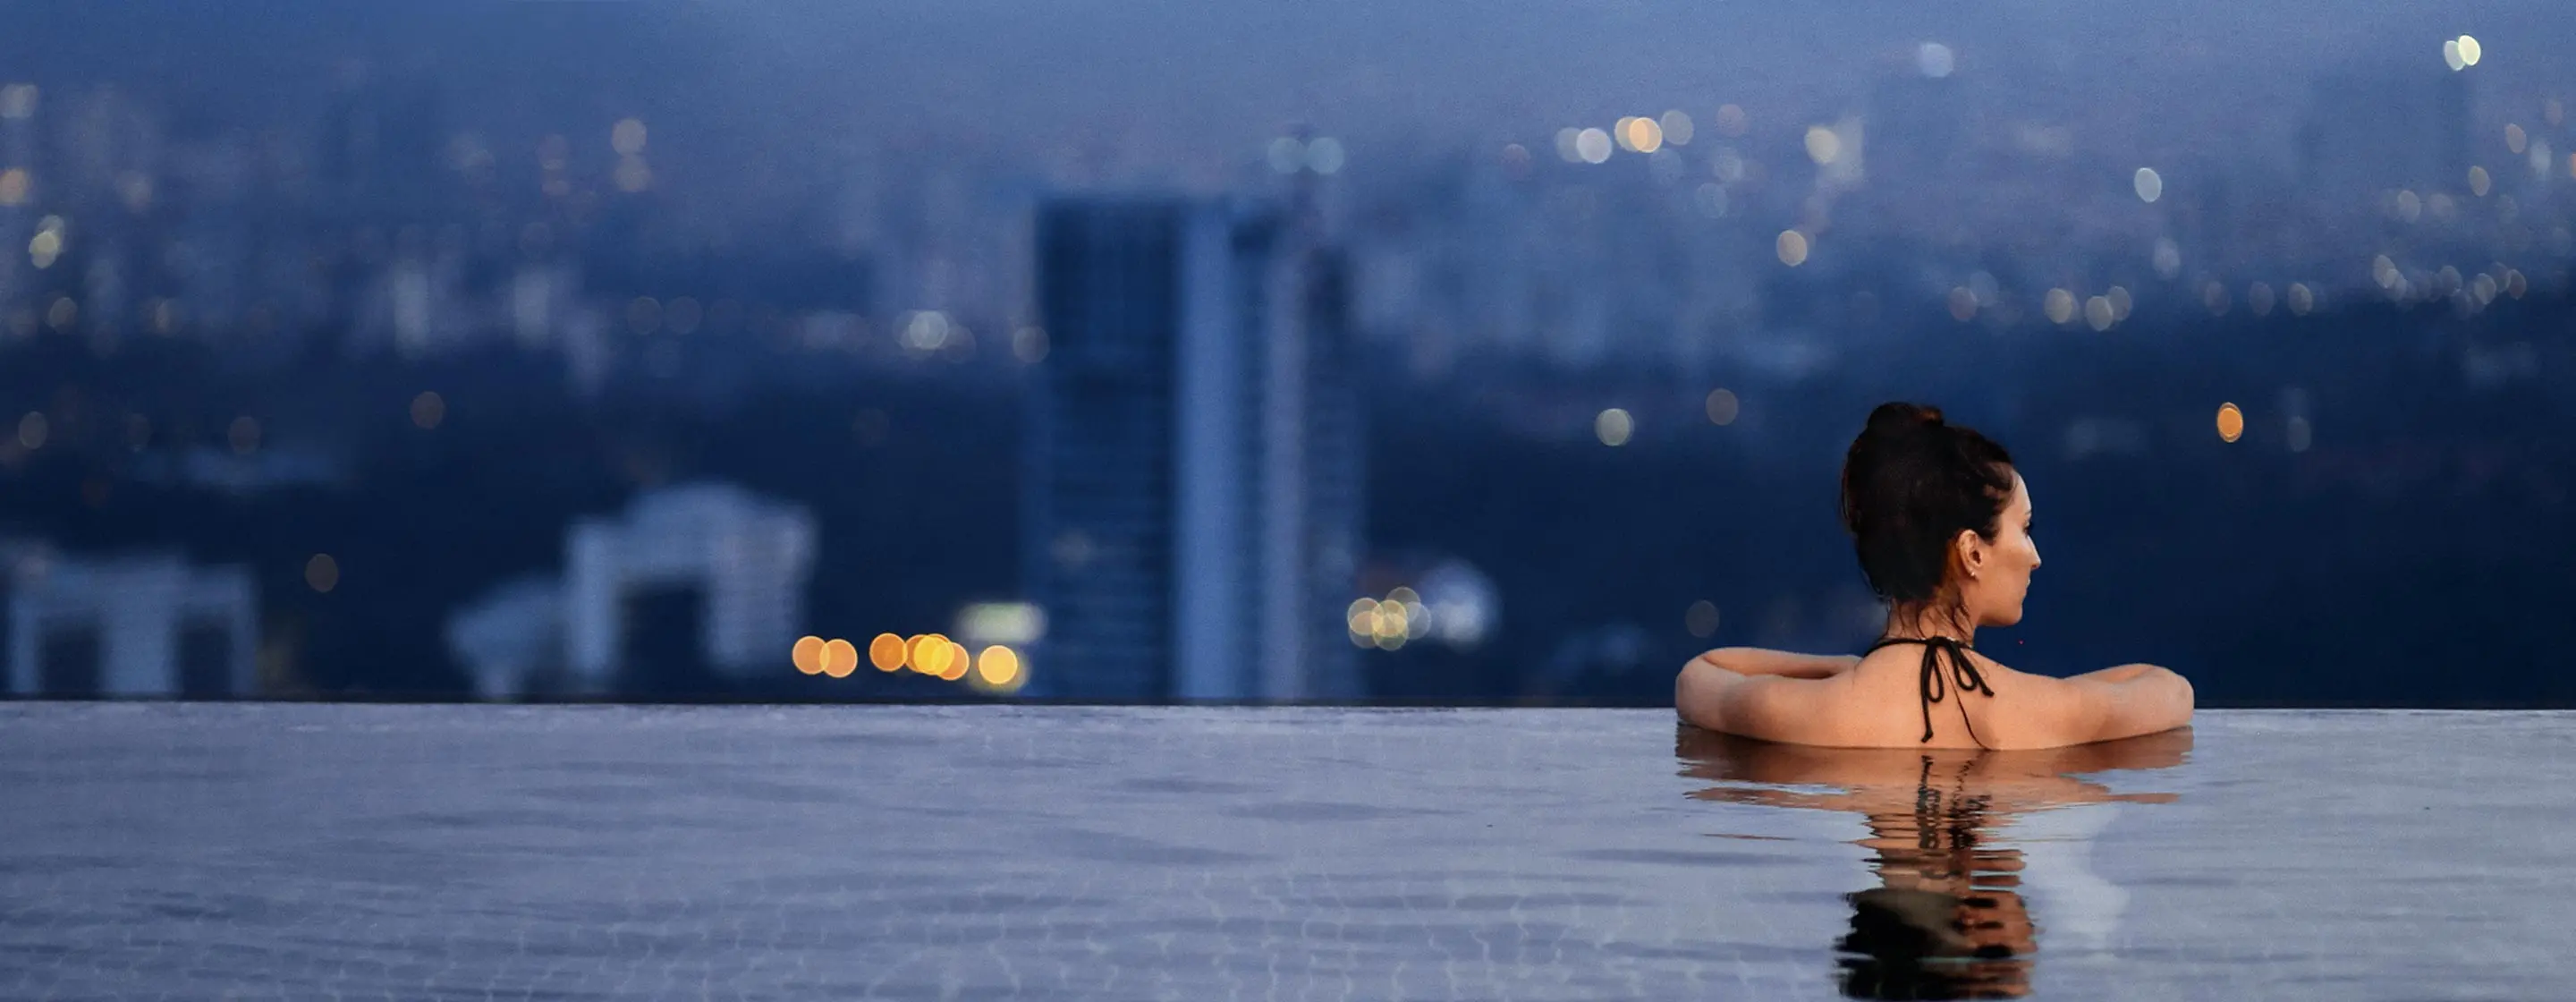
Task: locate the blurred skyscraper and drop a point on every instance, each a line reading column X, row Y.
column 1193, row 508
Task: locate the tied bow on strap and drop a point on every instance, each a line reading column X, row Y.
column 1963, row 676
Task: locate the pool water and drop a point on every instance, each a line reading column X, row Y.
column 312, row 851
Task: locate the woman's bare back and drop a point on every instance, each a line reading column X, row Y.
column 1888, row 699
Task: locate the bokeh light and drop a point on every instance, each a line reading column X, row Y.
column 428, row 409
column 1792, row 248
column 840, row 658
column 1701, row 619
column 322, row 573
column 1613, row 426
column 807, row 655
column 2231, row 423
column 998, row 666
column 887, row 652
column 1722, row 407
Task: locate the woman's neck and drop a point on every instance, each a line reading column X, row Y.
column 1924, row 623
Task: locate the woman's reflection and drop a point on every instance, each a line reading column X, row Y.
column 1948, row 919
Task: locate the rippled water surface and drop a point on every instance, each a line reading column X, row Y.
column 305, row 851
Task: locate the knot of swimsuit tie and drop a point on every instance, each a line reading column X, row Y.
column 1935, row 687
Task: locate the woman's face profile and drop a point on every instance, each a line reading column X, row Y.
column 1999, row 568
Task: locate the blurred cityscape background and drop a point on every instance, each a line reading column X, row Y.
column 1254, row 350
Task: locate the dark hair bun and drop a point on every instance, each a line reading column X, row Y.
column 1911, row 483
column 1899, row 416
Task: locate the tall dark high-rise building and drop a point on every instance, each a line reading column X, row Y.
column 1194, row 487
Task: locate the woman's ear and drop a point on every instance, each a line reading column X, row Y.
column 1971, row 550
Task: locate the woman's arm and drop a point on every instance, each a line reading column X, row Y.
column 1756, row 661
column 2110, row 704
column 1773, row 707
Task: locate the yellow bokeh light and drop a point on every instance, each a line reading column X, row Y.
column 2451, row 55
column 1823, row 145
column 1404, row 595
column 959, row 660
column 930, row 653
column 840, row 658
column 1613, row 427
column 998, row 665
column 1792, row 248
column 2470, row 50
column 1641, row 134
column 2231, row 423
column 886, row 652
column 807, row 655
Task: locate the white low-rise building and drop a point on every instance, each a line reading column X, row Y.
column 143, row 626
column 733, row 562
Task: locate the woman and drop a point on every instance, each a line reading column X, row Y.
column 1942, row 523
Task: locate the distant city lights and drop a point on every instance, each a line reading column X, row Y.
column 1792, row 248
column 1732, row 121
column 1823, row 146
column 1592, row 145
column 2462, row 52
column 1613, row 426
column 1722, row 407
column 1677, row 127
column 1325, row 155
column 243, row 435
column 1640, row 135
column 627, row 137
column 886, row 652
column 428, row 409
column 1701, row 619
column 2059, row 305
column 322, row 573
column 996, row 669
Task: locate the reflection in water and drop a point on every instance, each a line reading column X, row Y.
column 1948, row 919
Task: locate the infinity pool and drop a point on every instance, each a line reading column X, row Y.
column 307, row 851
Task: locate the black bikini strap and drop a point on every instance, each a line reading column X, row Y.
column 1935, row 687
